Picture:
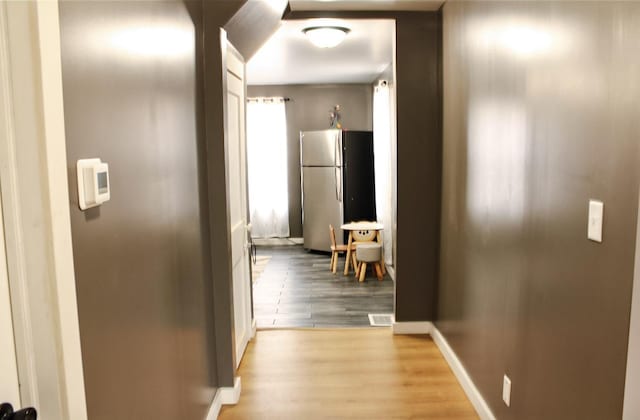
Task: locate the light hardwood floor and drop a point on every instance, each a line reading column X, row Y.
column 346, row 374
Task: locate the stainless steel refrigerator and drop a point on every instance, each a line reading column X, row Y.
column 338, row 183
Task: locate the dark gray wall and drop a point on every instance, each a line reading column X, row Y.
column 309, row 110
column 419, row 151
column 141, row 260
column 541, row 113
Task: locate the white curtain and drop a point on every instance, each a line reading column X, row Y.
column 267, row 167
column 383, row 152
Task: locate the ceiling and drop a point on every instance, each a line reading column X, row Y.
column 289, row 58
column 368, row 5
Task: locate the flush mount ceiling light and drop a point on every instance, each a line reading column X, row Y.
column 326, row 36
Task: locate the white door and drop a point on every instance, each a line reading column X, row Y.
column 9, row 388
column 238, row 207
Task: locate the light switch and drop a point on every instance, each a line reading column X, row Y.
column 506, row 390
column 596, row 215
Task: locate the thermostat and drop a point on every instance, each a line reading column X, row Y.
column 93, row 183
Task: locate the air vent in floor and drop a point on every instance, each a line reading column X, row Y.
column 381, row 320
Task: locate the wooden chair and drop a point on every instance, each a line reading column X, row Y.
column 336, row 250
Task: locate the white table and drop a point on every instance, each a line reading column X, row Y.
column 371, row 226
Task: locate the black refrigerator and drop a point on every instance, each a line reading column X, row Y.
column 338, row 183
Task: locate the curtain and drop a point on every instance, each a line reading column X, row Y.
column 267, row 167
column 383, row 152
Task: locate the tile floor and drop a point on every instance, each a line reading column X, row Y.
column 296, row 289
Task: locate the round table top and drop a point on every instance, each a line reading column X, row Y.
column 362, row 226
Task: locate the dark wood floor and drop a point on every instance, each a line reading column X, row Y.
column 296, row 289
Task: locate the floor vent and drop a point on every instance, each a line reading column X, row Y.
column 381, row 320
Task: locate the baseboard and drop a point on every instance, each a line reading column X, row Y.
column 391, row 271
column 254, row 328
column 231, row 395
column 426, row 327
column 277, row 241
column 216, row 406
column 481, row 406
column 224, row 396
column 413, row 327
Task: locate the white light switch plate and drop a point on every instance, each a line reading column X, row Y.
column 506, row 390
column 596, row 216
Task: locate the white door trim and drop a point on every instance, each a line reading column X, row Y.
column 631, row 408
column 9, row 385
column 11, row 217
column 33, row 177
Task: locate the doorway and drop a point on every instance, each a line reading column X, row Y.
column 293, row 284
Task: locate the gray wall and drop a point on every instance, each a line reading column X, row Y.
column 541, row 111
column 141, row 260
column 419, row 151
column 309, row 110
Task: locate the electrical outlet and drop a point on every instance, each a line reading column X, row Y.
column 506, row 390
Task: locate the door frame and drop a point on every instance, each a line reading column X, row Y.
column 393, row 83
column 35, row 198
column 10, row 384
column 631, row 405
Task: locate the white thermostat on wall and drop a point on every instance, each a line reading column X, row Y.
column 93, row 183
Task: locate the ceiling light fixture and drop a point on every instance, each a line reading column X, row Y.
column 326, row 36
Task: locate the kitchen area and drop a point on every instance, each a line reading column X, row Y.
column 321, row 154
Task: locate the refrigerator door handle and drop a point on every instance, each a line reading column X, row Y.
column 341, row 163
column 335, row 178
column 335, row 151
column 339, row 183
column 335, row 165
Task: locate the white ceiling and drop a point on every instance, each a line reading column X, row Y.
column 289, row 58
column 368, row 5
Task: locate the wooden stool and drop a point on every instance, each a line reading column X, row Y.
column 370, row 253
column 360, row 237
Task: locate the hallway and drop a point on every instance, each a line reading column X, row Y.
column 346, row 374
column 126, row 291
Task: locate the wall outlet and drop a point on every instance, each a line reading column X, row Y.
column 506, row 390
